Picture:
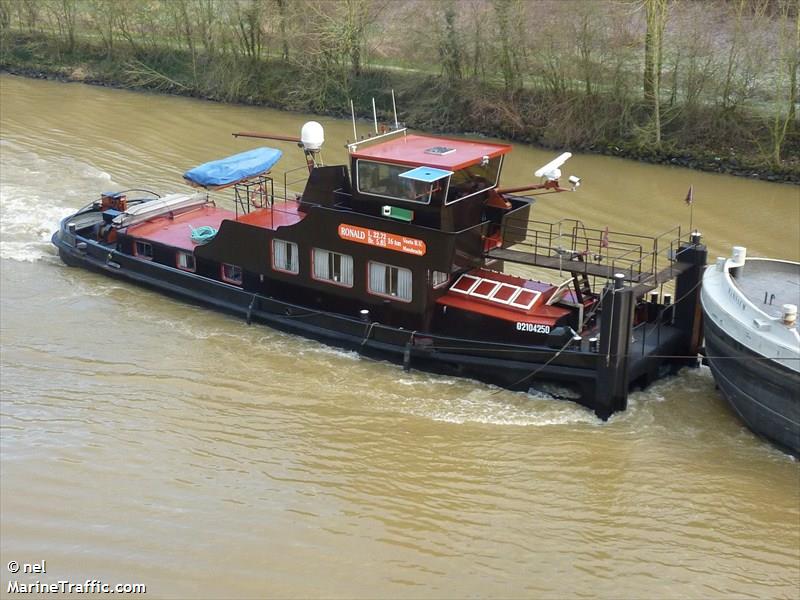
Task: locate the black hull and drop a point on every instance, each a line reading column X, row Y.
column 590, row 378
column 500, row 364
column 764, row 394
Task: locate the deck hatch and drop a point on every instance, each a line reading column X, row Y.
column 439, row 150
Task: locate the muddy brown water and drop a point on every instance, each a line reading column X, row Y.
column 146, row 440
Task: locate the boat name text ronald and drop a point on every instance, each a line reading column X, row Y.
column 382, row 239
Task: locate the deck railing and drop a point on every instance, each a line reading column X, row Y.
column 294, row 177
column 570, row 241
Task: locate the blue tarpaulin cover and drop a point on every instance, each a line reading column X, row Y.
column 226, row 171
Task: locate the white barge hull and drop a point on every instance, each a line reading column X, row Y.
column 753, row 352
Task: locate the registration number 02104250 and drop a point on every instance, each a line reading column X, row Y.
column 533, row 327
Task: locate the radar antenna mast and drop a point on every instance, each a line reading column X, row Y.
column 550, row 173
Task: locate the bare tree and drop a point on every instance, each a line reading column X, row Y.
column 207, row 24
column 104, row 20
column 450, row 45
column 64, row 13
column 282, row 22
column 478, row 58
column 508, row 51
column 29, row 13
column 793, row 65
column 5, row 16
column 656, row 19
column 788, row 57
column 248, row 27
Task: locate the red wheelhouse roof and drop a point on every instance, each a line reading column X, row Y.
column 415, row 150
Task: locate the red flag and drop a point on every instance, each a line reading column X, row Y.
column 604, row 239
column 690, row 196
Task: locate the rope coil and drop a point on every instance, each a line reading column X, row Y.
column 203, row 234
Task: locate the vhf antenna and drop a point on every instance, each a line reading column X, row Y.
column 352, row 146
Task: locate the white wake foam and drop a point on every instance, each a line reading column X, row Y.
column 36, row 193
column 456, row 400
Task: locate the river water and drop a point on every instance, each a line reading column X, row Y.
column 145, row 440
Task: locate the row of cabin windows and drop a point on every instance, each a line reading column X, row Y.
column 383, row 280
column 185, row 261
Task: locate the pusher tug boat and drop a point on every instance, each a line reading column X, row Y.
column 752, row 342
column 399, row 256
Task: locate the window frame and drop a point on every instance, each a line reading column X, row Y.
column 178, row 255
column 390, row 296
column 296, row 252
column 143, row 256
column 226, row 279
column 489, row 187
column 396, row 198
column 437, row 286
column 331, row 253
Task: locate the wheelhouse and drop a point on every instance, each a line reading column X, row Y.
column 436, row 182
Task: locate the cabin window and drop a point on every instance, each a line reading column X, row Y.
column 333, row 267
column 383, row 179
column 143, row 250
column 186, row 262
column 439, row 278
column 473, row 180
column 393, row 282
column 232, row 274
column 285, row 257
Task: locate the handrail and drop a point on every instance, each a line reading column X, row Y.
column 286, row 183
column 638, row 255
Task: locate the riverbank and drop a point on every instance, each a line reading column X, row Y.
column 593, row 123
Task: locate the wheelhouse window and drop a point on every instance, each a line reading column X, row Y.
column 389, row 281
column 333, row 267
column 143, row 250
column 285, row 257
column 231, row 274
column 384, row 180
column 473, row 180
column 185, row 261
column 439, row 278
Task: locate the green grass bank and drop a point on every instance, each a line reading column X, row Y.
column 709, row 139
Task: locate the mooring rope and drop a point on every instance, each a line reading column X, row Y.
column 536, row 371
column 367, row 335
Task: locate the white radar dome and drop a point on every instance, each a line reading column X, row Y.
column 312, row 136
